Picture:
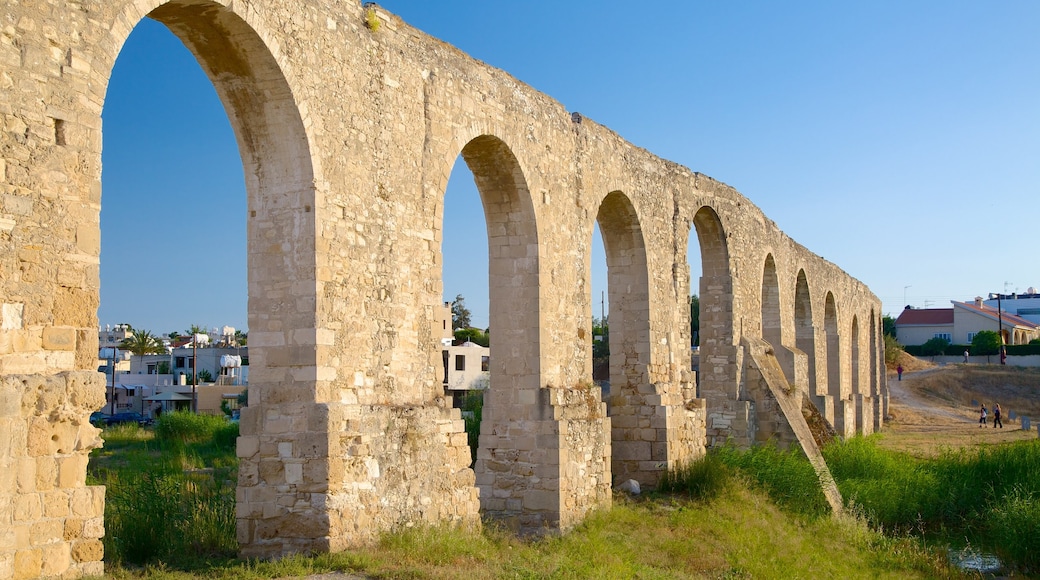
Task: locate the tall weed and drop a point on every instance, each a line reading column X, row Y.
column 989, row 496
column 155, row 515
column 187, row 427
column 787, row 476
column 700, row 479
column 896, row 491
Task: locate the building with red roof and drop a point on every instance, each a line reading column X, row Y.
column 960, row 324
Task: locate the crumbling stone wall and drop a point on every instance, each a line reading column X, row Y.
column 349, row 123
column 51, row 524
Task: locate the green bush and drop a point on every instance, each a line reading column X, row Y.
column 892, row 349
column 935, row 346
column 1024, row 349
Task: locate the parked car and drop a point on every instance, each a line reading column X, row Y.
column 97, row 419
column 128, row 417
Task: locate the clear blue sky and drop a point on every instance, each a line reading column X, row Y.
column 900, row 140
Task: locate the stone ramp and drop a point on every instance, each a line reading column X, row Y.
column 764, row 369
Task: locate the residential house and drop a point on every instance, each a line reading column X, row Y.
column 466, row 366
column 960, row 324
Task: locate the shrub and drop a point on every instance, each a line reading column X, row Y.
column 985, row 343
column 892, row 350
column 934, row 346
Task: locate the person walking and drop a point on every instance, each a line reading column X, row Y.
column 965, row 356
column 899, row 371
column 982, row 416
column 996, row 416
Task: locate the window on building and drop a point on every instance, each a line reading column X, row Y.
column 179, row 362
column 460, row 362
column 485, row 363
column 945, row 335
column 151, row 369
column 971, row 337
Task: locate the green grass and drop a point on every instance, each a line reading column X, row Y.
column 986, row 496
column 733, row 514
column 170, row 492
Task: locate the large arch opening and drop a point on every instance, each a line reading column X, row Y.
column 830, row 326
column 716, row 355
column 771, row 331
column 628, row 337
column 465, row 331
column 857, row 379
column 281, row 289
column 511, row 401
column 805, row 332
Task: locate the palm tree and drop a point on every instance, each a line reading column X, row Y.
column 142, row 342
column 195, row 329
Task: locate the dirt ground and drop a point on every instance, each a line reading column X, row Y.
column 937, row 407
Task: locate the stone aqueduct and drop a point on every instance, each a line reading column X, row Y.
column 348, row 122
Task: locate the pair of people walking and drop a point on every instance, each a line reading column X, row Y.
column 996, row 417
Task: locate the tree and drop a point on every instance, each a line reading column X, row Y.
column 888, row 326
column 195, row 329
column 986, row 342
column 241, row 338
column 474, row 335
column 142, row 342
column 459, row 313
column 695, row 320
column 935, row 346
column 892, row 350
column 205, row 376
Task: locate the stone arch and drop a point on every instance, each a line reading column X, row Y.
column 628, row 289
column 855, row 352
column 717, row 375
column 512, row 398
column 280, row 176
column 835, row 411
column 805, row 331
column 857, row 383
column 771, row 326
column 876, row 358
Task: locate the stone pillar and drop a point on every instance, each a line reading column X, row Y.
column 544, row 457
column 51, row 524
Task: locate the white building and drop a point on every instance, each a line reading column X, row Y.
column 1025, row 306
column 466, row 366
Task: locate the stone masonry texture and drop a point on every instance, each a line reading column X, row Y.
column 349, row 122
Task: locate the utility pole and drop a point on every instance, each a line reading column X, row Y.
column 1000, row 328
column 112, row 382
column 194, row 372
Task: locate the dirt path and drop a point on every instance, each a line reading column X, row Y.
column 925, row 425
column 901, row 394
